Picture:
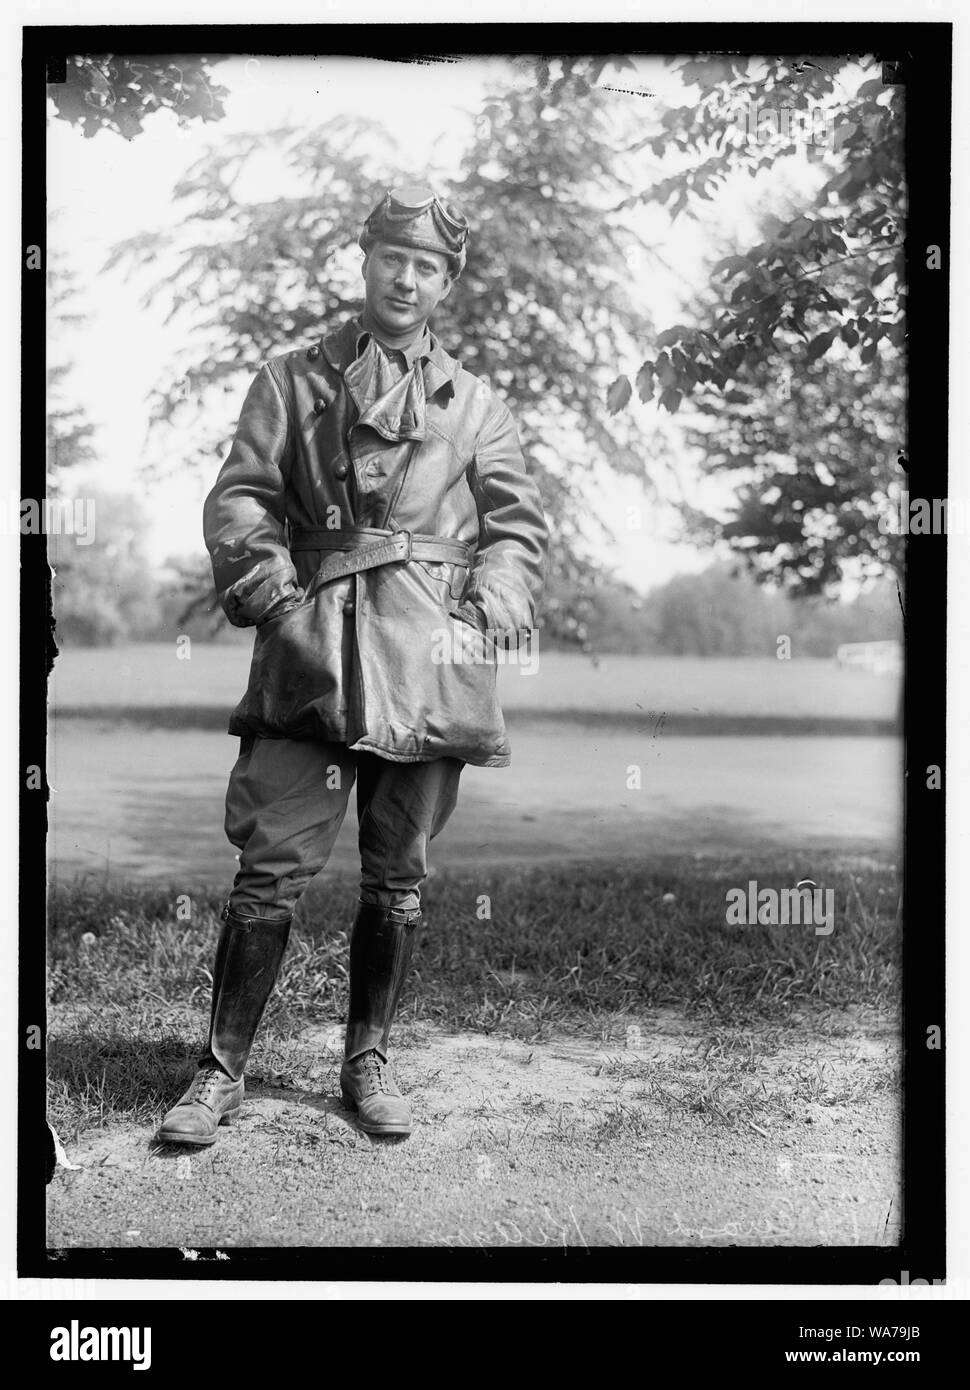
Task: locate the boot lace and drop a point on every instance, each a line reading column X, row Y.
column 374, row 1069
column 204, row 1085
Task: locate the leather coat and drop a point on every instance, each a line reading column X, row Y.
column 394, row 659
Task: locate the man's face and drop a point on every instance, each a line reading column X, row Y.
column 403, row 286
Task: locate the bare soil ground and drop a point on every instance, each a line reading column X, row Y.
column 677, row 1134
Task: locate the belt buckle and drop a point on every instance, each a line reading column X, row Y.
column 410, row 541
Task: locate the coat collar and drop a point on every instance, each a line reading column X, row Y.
column 440, row 368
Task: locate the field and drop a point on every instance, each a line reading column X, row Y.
column 601, row 1061
column 795, row 696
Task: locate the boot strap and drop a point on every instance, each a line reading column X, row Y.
column 406, row 916
column 250, row 924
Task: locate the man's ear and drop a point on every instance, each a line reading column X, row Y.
column 449, row 281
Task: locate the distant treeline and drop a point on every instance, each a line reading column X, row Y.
column 723, row 613
column 107, row 592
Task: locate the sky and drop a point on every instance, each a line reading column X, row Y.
column 104, row 189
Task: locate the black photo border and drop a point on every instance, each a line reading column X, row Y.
column 923, row 54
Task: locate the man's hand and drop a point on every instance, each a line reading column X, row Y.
column 471, row 614
column 505, row 638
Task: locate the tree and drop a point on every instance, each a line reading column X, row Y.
column 188, row 602
column 820, row 628
column 103, row 590
column 116, row 92
column 810, row 443
column 716, row 613
column 819, row 297
column 543, row 308
column 725, row 612
column 69, row 432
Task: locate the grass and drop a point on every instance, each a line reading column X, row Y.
column 580, row 947
column 733, row 1091
column 148, row 674
column 729, row 1079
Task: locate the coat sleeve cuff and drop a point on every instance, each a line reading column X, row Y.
column 250, row 599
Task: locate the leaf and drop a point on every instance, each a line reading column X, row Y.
column 645, row 382
column 732, row 265
column 844, row 131
column 677, row 207
column 820, row 345
column 831, row 301
column 666, row 371
column 745, row 290
column 670, row 400
column 618, row 395
column 670, row 335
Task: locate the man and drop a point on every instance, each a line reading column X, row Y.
column 375, row 500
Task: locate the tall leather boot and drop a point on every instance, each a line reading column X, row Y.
column 381, row 947
column 248, row 959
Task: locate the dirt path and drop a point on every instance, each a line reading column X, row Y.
column 142, row 804
column 683, row 1137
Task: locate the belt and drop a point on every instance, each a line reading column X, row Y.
column 369, row 547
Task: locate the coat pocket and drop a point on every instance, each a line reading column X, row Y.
column 427, row 681
column 297, row 679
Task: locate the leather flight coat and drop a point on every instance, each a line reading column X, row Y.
column 424, row 497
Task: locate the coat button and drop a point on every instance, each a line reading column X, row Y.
column 319, row 405
column 312, row 353
column 341, row 471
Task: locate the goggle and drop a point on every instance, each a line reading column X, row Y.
column 405, row 204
